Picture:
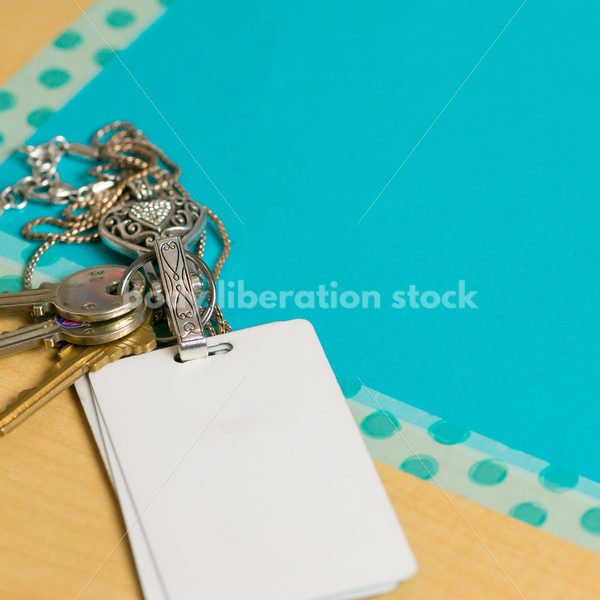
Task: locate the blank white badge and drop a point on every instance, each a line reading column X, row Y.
column 248, row 473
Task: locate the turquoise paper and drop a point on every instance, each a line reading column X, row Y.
column 300, row 114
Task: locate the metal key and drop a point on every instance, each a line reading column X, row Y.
column 87, row 295
column 74, row 362
column 57, row 329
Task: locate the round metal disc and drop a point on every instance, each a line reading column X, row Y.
column 90, row 295
column 91, row 334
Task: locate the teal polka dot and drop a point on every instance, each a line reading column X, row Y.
column 557, row 479
column 7, row 100
column 444, row 432
column 529, row 512
column 421, row 465
column 10, row 283
column 590, row 521
column 103, row 56
column 1, row 139
column 53, row 78
column 380, row 425
column 38, row 117
column 488, row 472
column 350, row 386
column 68, row 40
column 166, row 2
column 120, row 18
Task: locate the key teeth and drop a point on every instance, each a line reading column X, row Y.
column 99, row 363
column 143, row 340
column 38, row 310
column 23, row 394
column 74, row 361
column 143, row 348
column 7, row 410
column 49, row 342
column 64, row 351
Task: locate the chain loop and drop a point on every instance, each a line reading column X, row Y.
column 129, row 167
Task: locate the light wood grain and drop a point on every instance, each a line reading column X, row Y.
column 467, row 551
column 60, row 522
column 59, row 517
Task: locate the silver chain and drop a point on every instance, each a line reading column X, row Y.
column 44, row 184
column 128, row 166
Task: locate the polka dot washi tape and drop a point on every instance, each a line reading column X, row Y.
column 446, row 454
column 47, row 82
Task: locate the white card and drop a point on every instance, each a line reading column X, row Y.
column 149, row 576
column 249, row 473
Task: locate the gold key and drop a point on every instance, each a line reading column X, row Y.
column 74, row 362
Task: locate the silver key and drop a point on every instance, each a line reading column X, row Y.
column 87, row 295
column 57, row 329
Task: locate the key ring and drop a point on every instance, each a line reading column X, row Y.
column 137, row 264
column 133, row 179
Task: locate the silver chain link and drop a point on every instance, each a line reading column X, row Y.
column 128, row 166
column 44, row 184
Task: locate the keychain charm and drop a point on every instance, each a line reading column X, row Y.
column 186, row 320
column 133, row 227
column 182, row 311
column 291, row 490
column 135, row 200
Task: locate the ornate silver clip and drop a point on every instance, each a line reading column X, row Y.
column 186, row 319
column 182, row 311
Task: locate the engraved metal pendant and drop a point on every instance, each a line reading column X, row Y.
column 133, row 227
column 184, row 316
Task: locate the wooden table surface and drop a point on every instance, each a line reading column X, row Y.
column 61, row 523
